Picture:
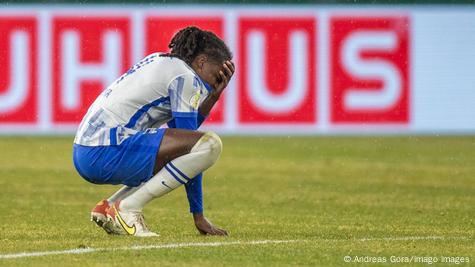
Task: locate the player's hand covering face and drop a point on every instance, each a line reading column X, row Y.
column 224, row 76
column 218, row 76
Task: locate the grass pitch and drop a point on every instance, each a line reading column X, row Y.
column 390, row 198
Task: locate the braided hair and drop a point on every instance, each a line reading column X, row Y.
column 191, row 41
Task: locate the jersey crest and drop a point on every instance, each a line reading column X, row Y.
column 195, row 99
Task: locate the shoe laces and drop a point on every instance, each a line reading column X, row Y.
column 140, row 219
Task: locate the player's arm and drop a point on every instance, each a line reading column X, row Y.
column 194, row 190
column 185, row 116
column 218, row 88
column 194, row 187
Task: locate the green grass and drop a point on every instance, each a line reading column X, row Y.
column 328, row 192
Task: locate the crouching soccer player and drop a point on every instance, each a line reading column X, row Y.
column 119, row 142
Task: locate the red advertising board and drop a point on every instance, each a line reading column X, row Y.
column 19, row 70
column 277, row 68
column 309, row 71
column 87, row 55
column 370, row 69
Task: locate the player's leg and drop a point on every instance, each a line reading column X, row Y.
column 99, row 212
column 175, row 143
column 182, row 155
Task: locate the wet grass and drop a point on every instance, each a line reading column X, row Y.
column 357, row 196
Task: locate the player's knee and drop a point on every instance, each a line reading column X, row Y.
column 215, row 145
column 210, row 145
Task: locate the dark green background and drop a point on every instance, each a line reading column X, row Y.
column 332, row 2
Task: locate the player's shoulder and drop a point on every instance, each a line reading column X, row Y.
column 170, row 64
column 184, row 73
column 173, row 68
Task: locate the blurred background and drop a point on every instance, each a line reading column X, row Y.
column 303, row 67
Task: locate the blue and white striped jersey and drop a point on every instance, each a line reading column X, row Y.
column 151, row 93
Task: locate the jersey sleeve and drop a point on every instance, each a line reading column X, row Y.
column 189, row 123
column 185, row 94
column 194, row 193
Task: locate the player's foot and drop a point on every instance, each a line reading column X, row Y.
column 127, row 222
column 99, row 213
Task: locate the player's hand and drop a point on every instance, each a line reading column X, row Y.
column 224, row 77
column 205, row 227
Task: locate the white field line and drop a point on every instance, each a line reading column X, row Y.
column 161, row 246
column 213, row 244
column 407, row 238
